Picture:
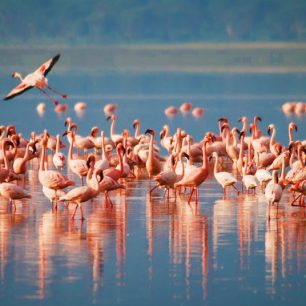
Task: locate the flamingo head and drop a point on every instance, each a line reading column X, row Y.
column 90, row 162
column 293, row 126
column 111, row 117
column 224, row 126
column 136, row 122
column 17, row 75
column 257, row 118
column 162, row 134
column 270, row 129
column 278, row 148
column 223, row 119
column 184, row 154
column 149, row 131
column 94, row 131
column 241, row 134
column 242, row 119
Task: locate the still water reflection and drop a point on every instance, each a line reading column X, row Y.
column 145, row 250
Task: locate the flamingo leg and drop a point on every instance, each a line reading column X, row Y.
column 191, row 193
column 76, row 208
column 82, row 213
column 55, row 102
column 197, row 195
column 236, row 189
column 57, row 92
column 153, row 190
column 295, row 199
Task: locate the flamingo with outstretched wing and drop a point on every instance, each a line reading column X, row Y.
column 36, row 79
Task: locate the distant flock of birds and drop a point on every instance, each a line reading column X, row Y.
column 255, row 159
column 297, row 108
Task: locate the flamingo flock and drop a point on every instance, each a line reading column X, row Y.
column 239, row 157
column 175, row 163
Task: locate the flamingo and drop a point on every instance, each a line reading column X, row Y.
column 299, row 187
column 20, row 163
column 186, row 107
column 79, row 195
column 196, row 177
column 249, row 181
column 5, row 171
column 225, row 179
column 59, row 158
column 292, row 126
column 77, row 166
column 13, row 192
column 197, row 112
column 273, row 192
column 165, row 178
column 53, row 195
column 36, row 79
column 106, row 184
column 153, row 164
column 114, row 137
column 170, row 111
column 50, row 178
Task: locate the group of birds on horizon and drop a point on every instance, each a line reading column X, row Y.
column 254, row 159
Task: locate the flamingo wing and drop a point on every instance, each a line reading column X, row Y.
column 18, row 90
column 47, row 66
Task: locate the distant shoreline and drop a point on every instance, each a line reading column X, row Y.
column 255, row 57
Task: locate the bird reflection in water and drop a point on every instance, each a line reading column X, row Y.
column 187, row 237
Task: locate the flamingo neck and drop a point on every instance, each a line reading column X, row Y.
column 6, row 163
column 137, row 130
column 120, row 162
column 27, row 154
column 57, row 149
column 70, row 157
column 205, row 160
column 189, row 162
column 42, row 159
column 103, row 154
column 18, row 75
column 112, row 128
column 182, row 165
column 290, row 134
column 241, row 148
column 216, row 164
column 272, row 139
column 283, row 172
column 256, row 129
column 151, row 149
column 244, row 127
column 300, row 158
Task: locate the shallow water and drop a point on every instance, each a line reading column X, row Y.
column 143, row 251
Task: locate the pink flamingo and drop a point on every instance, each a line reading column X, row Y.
column 78, row 195
column 50, row 178
column 36, row 79
column 59, row 158
column 195, row 178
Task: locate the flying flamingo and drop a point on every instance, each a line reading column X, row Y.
column 36, row 79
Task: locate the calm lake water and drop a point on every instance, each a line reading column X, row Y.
column 154, row 252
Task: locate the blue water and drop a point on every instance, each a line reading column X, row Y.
column 155, row 252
